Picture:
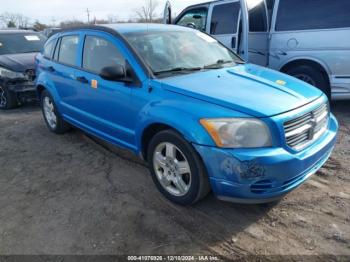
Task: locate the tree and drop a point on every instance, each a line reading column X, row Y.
column 14, row 20
column 147, row 12
column 39, row 26
column 11, row 24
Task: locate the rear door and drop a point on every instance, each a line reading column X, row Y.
column 63, row 70
column 224, row 19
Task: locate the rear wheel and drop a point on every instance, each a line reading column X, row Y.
column 8, row 99
column 177, row 169
column 52, row 118
column 312, row 76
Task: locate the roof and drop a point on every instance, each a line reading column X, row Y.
column 15, row 31
column 137, row 27
column 124, row 28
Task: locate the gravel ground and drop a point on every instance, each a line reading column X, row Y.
column 70, row 195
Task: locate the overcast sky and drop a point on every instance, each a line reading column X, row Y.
column 48, row 11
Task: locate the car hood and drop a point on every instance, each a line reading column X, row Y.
column 247, row 88
column 18, row 62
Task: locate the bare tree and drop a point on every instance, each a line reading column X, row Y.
column 147, row 12
column 14, row 20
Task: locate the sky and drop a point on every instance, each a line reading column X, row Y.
column 55, row 11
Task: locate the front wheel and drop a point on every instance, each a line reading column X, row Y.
column 52, row 118
column 176, row 168
column 8, row 99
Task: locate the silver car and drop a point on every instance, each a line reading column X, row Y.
column 304, row 38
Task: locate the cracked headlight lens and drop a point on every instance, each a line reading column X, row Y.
column 5, row 73
column 238, row 132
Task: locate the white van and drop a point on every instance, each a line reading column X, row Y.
column 308, row 39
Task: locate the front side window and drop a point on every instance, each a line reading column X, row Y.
column 195, row 18
column 68, row 49
column 312, row 14
column 224, row 19
column 176, row 50
column 100, row 53
column 15, row 43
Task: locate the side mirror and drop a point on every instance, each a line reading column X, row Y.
column 115, row 73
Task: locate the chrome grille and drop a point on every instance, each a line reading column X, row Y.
column 303, row 130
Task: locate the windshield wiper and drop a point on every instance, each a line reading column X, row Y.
column 178, row 69
column 219, row 64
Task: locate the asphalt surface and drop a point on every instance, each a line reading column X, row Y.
column 71, row 195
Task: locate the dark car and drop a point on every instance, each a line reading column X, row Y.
column 18, row 49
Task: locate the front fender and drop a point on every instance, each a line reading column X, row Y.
column 182, row 114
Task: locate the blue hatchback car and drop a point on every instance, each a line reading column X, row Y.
column 202, row 118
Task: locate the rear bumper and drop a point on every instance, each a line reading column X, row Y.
column 265, row 174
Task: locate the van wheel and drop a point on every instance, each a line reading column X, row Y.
column 52, row 118
column 8, row 99
column 311, row 76
column 176, row 168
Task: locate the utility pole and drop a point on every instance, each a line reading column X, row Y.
column 88, row 15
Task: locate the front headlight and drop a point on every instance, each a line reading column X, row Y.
column 5, row 73
column 238, row 132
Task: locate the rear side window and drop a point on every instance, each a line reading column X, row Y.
column 68, row 49
column 100, row 53
column 196, row 17
column 312, row 14
column 224, row 19
column 48, row 49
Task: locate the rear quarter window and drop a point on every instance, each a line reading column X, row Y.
column 312, row 14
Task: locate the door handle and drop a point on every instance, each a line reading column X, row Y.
column 82, row 79
column 233, row 42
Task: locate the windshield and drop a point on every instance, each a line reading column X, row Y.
column 181, row 51
column 21, row 43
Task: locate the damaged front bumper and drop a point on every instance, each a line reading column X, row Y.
column 264, row 174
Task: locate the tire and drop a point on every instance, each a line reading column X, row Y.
column 196, row 183
column 53, row 119
column 8, row 99
column 313, row 76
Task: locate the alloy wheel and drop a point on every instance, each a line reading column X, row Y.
column 49, row 111
column 172, row 169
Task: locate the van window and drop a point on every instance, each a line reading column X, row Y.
column 68, row 49
column 99, row 53
column 257, row 16
column 224, row 19
column 312, row 14
column 196, row 17
column 48, row 49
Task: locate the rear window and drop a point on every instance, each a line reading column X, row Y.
column 312, row 14
column 15, row 43
column 225, row 19
column 68, row 49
